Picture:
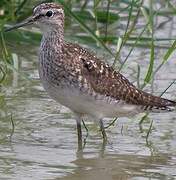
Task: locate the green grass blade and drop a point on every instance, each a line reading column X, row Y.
column 149, row 74
column 134, row 45
column 149, row 132
column 173, row 82
column 147, row 18
column 2, row 74
column 107, row 18
column 169, row 52
column 101, row 16
column 166, row 56
column 126, row 34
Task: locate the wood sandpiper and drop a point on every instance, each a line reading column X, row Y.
column 79, row 80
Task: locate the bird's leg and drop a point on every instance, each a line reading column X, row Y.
column 102, row 129
column 87, row 132
column 79, row 131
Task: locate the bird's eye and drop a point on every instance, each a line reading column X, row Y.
column 49, row 13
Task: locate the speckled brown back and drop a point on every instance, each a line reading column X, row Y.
column 105, row 80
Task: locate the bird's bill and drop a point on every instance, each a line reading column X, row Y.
column 26, row 22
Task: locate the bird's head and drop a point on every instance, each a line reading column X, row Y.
column 46, row 16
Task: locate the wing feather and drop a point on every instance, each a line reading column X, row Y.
column 108, row 82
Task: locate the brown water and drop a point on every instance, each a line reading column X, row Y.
column 44, row 143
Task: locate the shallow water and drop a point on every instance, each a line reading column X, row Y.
column 44, row 143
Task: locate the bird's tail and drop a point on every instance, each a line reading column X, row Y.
column 155, row 103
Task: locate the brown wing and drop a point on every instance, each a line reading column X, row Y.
column 106, row 81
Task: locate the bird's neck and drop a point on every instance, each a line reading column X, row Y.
column 50, row 52
column 52, row 45
column 54, row 37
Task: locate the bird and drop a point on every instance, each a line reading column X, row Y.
column 81, row 81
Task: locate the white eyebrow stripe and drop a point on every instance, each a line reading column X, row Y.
column 60, row 10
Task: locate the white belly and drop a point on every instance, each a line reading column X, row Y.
column 85, row 104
